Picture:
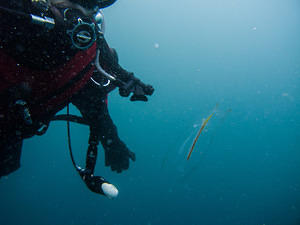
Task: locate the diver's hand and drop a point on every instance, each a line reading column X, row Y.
column 118, row 158
column 140, row 92
column 138, row 88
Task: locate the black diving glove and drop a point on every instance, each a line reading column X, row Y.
column 118, row 157
column 138, row 88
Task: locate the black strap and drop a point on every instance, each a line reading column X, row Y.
column 69, row 141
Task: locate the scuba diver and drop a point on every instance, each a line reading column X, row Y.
column 52, row 53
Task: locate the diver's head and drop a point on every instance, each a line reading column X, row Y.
column 90, row 4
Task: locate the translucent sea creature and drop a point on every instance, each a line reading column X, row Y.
column 196, row 139
column 191, row 171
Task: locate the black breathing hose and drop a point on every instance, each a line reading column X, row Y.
column 69, row 140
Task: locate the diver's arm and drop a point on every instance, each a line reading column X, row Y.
column 109, row 60
column 126, row 81
column 92, row 105
column 116, row 152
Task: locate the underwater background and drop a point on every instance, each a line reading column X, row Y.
column 239, row 59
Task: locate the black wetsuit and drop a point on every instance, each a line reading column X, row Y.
column 43, row 49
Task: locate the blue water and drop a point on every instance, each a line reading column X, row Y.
column 245, row 169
